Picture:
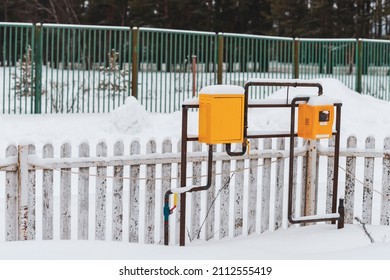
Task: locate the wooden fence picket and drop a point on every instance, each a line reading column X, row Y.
column 195, row 196
column 11, row 194
column 224, row 204
column 134, row 215
column 238, row 206
column 385, row 201
column 83, row 195
column 101, row 194
column 252, row 188
column 210, row 202
column 230, row 220
column 65, row 195
column 303, row 182
column 176, row 219
column 368, row 183
column 266, row 188
column 166, row 181
column 329, row 181
column 350, row 174
column 31, row 233
column 117, row 195
column 47, row 200
column 295, row 179
column 150, row 195
column 23, row 192
column 280, row 145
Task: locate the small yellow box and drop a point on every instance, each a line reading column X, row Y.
column 221, row 115
column 315, row 122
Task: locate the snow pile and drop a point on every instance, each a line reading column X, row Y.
column 129, row 118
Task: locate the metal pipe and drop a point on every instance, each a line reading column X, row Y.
column 291, row 157
column 291, row 174
column 336, row 158
column 167, row 211
column 183, row 174
column 285, row 84
column 236, row 154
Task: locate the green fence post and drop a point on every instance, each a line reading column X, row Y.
column 359, row 65
column 134, row 63
column 38, row 69
column 220, row 58
column 296, row 58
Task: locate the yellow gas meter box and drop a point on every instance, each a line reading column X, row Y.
column 221, row 114
column 315, row 119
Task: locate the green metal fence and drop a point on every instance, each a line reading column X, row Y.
column 17, row 71
column 173, row 65
column 84, row 68
column 328, row 58
column 374, row 59
column 249, row 57
column 53, row 68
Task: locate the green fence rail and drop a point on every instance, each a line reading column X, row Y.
column 52, row 68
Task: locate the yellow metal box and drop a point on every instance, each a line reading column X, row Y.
column 315, row 121
column 221, row 114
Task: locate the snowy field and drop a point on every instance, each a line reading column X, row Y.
column 361, row 116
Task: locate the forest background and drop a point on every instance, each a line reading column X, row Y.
column 293, row 18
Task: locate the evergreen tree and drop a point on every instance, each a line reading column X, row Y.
column 345, row 19
column 288, row 19
column 322, row 19
column 253, row 17
column 363, row 17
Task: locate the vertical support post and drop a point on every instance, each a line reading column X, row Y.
column 336, row 159
column 134, row 63
column 183, row 176
column 311, row 182
column 22, row 192
column 220, row 58
column 194, row 75
column 38, row 69
column 296, row 58
column 359, row 65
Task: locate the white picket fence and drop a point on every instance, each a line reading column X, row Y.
column 120, row 196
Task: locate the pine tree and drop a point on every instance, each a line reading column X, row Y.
column 253, row 17
column 345, row 19
column 363, row 17
column 322, row 19
column 288, row 19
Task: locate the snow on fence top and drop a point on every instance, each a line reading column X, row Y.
column 222, row 89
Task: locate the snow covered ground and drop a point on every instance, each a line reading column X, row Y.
column 361, row 116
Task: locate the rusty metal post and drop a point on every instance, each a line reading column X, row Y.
column 183, row 176
column 134, row 63
column 194, row 75
column 336, row 159
column 296, row 58
column 220, row 58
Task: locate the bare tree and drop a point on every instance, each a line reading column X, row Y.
column 58, row 11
